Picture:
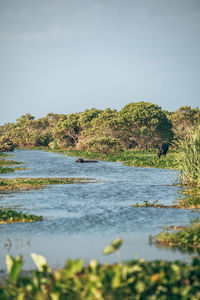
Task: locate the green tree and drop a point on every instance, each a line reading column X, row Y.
column 106, row 123
column 184, row 120
column 67, row 130
column 146, row 124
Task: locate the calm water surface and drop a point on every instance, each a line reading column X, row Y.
column 81, row 219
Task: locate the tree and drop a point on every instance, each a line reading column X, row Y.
column 105, row 124
column 67, row 129
column 184, row 120
column 147, row 124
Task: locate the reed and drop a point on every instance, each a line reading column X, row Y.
column 188, row 159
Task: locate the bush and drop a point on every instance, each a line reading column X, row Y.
column 106, row 145
column 6, row 144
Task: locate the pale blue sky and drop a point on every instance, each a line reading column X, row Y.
column 64, row 56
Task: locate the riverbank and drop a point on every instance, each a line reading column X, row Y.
column 134, row 158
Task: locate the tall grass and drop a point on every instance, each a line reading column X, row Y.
column 188, row 158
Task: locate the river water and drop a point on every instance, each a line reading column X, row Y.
column 81, row 219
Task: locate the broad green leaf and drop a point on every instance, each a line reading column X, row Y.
column 40, row 262
column 73, row 266
column 14, row 266
column 9, row 262
column 115, row 245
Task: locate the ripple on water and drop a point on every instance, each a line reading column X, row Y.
column 93, row 212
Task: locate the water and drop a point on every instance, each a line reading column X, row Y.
column 81, row 219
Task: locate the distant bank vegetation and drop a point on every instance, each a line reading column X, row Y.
column 139, row 125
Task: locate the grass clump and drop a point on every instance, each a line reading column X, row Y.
column 185, row 237
column 13, row 184
column 12, row 216
column 6, row 170
column 188, row 158
column 6, row 163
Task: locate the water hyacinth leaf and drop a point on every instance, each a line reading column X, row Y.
column 114, row 246
column 9, row 262
column 73, row 267
column 40, row 262
column 14, row 266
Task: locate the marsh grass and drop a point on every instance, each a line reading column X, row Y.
column 12, row 216
column 188, row 159
column 4, row 162
column 15, row 184
column 188, row 237
column 135, row 158
column 6, row 170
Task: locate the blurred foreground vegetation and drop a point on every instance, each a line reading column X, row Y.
column 137, row 279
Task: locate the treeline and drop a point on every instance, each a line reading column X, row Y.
column 140, row 125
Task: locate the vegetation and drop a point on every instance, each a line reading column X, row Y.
column 188, row 158
column 12, row 216
column 134, row 158
column 14, row 184
column 6, row 144
column 147, row 124
column 4, row 162
column 190, row 199
column 139, row 125
column 188, row 237
column 131, row 280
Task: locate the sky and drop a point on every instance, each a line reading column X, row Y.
column 65, row 56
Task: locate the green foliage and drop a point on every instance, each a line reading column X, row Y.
column 4, row 162
column 147, row 123
column 188, row 158
column 11, row 216
column 8, row 184
column 188, row 237
column 6, row 170
column 114, row 246
column 6, row 144
column 184, row 120
column 67, row 130
column 136, row 279
column 14, row 267
column 135, row 158
column 105, row 145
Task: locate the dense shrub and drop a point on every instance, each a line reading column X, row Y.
column 106, row 145
column 6, row 144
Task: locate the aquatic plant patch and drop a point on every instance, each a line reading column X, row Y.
column 4, row 162
column 134, row 158
column 190, row 200
column 13, row 184
column 136, row 279
column 188, row 236
column 12, row 216
column 6, row 170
